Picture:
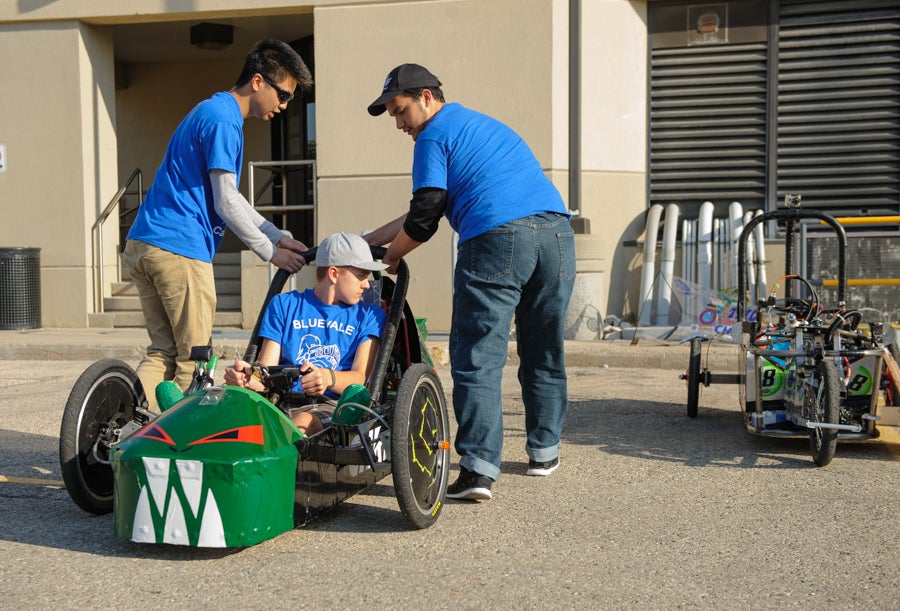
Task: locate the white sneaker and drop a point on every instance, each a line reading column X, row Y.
column 542, row 468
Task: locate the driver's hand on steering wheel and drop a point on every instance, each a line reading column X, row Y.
column 241, row 374
column 315, row 380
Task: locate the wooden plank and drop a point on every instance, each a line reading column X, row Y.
column 894, row 370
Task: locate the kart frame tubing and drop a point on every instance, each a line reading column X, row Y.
column 791, row 216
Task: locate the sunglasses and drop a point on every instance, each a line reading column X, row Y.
column 283, row 96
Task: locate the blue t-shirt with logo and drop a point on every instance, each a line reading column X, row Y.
column 490, row 175
column 325, row 335
column 179, row 214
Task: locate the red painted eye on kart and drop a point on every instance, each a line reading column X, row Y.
column 243, row 434
column 153, row 431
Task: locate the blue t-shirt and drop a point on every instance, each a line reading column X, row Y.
column 490, row 175
column 178, row 214
column 325, row 335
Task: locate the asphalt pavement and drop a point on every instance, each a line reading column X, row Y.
column 649, row 509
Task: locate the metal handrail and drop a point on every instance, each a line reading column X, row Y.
column 273, row 166
column 98, row 228
column 281, row 167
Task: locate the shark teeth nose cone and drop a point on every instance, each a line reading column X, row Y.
column 175, row 530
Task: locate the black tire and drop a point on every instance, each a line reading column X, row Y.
column 420, row 446
column 103, row 398
column 693, row 379
column 826, row 403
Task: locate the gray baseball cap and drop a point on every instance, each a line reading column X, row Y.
column 347, row 250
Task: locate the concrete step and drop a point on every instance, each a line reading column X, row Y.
column 123, row 308
column 122, row 288
column 227, row 272
column 224, row 303
column 224, row 286
column 111, row 320
column 227, row 258
column 227, row 265
column 228, row 286
column 228, row 319
column 122, row 303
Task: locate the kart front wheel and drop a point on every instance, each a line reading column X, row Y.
column 420, row 446
column 826, row 401
column 102, row 401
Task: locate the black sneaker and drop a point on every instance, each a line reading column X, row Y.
column 471, row 486
column 542, row 468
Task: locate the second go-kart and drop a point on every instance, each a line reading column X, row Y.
column 805, row 370
column 222, row 466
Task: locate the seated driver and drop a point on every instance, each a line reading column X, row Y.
column 325, row 330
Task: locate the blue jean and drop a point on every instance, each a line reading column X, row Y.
column 523, row 269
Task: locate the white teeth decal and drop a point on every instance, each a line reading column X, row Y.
column 176, row 530
column 191, row 474
column 157, row 470
column 212, row 533
column 143, row 531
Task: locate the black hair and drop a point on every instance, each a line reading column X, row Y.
column 276, row 60
column 417, row 93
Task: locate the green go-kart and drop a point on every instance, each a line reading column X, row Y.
column 222, row 466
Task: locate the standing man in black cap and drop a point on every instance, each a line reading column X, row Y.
column 516, row 259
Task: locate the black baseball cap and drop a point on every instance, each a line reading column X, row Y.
column 400, row 79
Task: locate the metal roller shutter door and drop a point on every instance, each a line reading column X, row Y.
column 838, row 105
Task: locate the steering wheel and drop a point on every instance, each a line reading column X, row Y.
column 278, row 380
column 803, row 309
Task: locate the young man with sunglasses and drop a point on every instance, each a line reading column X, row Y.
column 193, row 199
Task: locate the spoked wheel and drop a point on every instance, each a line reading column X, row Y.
column 826, row 404
column 693, row 379
column 420, row 446
column 102, row 401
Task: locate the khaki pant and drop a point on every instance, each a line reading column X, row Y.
column 178, row 298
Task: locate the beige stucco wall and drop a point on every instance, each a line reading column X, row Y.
column 614, row 138
column 487, row 54
column 507, row 58
column 132, row 11
column 58, row 127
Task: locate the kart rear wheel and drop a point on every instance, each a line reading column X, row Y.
column 420, row 446
column 827, row 404
column 102, row 401
column 693, row 379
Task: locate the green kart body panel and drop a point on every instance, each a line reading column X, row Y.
column 217, row 469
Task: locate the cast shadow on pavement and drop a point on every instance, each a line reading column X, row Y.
column 662, row 431
column 43, row 514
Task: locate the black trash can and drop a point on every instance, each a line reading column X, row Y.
column 20, row 288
